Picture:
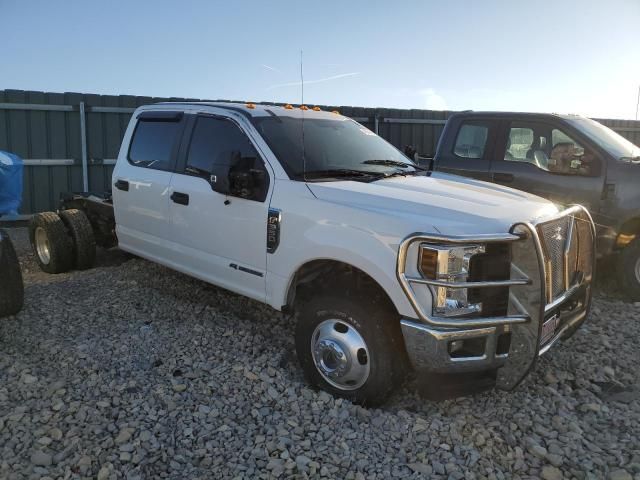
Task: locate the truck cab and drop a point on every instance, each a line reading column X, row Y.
column 567, row 159
column 386, row 265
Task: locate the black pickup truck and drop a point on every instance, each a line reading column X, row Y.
column 566, row 158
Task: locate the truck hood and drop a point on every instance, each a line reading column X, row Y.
column 440, row 203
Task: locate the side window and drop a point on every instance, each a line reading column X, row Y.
column 519, row 143
column 569, row 157
column 222, row 154
column 471, row 141
column 153, row 143
column 528, row 143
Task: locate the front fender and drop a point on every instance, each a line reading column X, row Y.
column 304, row 239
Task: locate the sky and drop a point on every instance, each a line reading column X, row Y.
column 563, row 56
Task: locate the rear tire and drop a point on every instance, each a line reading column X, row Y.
column 629, row 268
column 351, row 348
column 11, row 285
column 51, row 243
column 81, row 232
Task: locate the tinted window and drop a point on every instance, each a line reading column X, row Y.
column 326, row 144
column 152, row 144
column 549, row 149
column 519, row 143
column 471, row 141
column 221, row 153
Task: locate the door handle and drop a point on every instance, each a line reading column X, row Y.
column 122, row 185
column 503, row 177
column 181, row 198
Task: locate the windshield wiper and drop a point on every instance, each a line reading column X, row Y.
column 342, row 173
column 394, row 163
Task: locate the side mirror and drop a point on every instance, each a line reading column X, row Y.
column 246, row 183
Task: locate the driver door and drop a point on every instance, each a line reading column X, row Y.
column 220, row 237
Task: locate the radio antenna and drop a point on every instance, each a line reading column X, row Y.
column 304, row 160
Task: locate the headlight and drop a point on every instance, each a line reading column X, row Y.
column 450, row 264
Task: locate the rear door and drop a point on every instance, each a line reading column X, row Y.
column 548, row 159
column 141, row 182
column 469, row 150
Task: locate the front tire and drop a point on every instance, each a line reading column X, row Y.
column 11, row 285
column 51, row 243
column 351, row 348
column 629, row 268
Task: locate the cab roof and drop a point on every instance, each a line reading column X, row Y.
column 261, row 110
column 496, row 114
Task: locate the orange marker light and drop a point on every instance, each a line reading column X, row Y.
column 250, row 105
column 304, row 107
column 288, row 107
column 317, row 109
column 335, row 111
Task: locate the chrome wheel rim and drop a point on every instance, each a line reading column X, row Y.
column 637, row 270
column 42, row 245
column 340, row 354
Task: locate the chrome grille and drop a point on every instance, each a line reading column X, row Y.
column 567, row 245
column 554, row 240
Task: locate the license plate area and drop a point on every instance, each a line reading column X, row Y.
column 549, row 328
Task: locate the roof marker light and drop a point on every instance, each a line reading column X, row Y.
column 335, row 111
column 288, row 107
column 304, row 107
column 250, row 105
column 317, row 109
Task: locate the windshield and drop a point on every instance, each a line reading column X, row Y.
column 613, row 143
column 330, row 145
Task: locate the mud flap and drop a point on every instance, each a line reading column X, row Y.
column 524, row 299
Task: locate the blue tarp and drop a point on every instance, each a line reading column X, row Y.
column 11, row 167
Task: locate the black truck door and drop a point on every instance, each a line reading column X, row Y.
column 466, row 148
column 549, row 160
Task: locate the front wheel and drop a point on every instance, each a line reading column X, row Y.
column 350, row 348
column 629, row 270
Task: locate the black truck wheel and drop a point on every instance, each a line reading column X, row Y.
column 11, row 286
column 350, row 348
column 629, row 270
column 81, row 232
column 51, row 242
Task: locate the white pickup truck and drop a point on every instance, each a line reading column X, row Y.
column 387, row 265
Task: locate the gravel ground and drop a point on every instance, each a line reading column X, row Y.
column 130, row 370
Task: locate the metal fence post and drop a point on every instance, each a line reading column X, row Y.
column 83, row 141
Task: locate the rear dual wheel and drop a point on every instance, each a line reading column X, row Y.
column 62, row 242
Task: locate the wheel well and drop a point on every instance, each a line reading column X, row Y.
column 333, row 276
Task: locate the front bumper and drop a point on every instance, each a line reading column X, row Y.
column 549, row 298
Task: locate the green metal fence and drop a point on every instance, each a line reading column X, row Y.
column 70, row 141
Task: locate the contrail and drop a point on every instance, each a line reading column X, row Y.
column 319, row 80
column 273, row 69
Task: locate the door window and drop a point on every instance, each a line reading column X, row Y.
column 471, row 141
column 153, row 143
column 549, row 149
column 222, row 154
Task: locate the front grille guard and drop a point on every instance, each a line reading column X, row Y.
column 529, row 300
column 520, row 311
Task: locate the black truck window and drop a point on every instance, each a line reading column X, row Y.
column 471, row 141
column 547, row 148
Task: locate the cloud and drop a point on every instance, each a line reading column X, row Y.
column 309, row 82
column 433, row 101
column 268, row 67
